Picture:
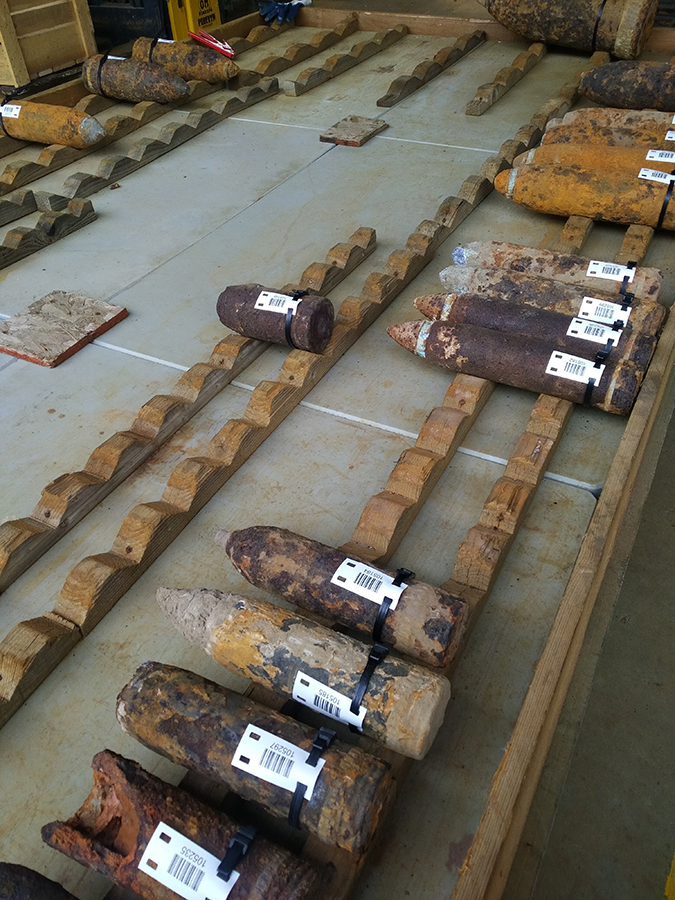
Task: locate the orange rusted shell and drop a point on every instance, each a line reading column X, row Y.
column 598, row 156
column 187, row 60
column 45, row 123
column 130, row 79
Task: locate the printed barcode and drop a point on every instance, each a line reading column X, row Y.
column 185, row 872
column 574, row 368
column 369, row 582
column 277, row 301
column 611, row 270
column 604, row 311
column 326, row 706
column 595, row 330
column 282, row 765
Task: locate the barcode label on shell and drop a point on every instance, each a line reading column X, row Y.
column 604, row 311
column 573, row 368
column 612, row 271
column 367, row 582
column 275, row 760
column 272, row 302
column 184, row 867
column 10, row 111
column 655, row 175
column 593, row 331
column 670, row 134
column 313, row 693
column 661, row 155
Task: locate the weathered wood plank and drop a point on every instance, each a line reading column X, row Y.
column 488, row 94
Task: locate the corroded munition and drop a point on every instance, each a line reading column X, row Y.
column 592, row 156
column 186, row 60
column 607, row 136
column 198, row 724
column 514, row 360
column 631, row 85
column 515, row 318
column 426, row 624
column 646, row 316
column 619, row 26
column 129, row 79
column 563, row 267
column 608, row 195
column 48, row 124
column 20, row 883
column 311, row 325
column 405, row 703
column 604, row 117
column 112, row 828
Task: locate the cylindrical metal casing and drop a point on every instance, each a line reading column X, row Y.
column 20, row 883
column 311, row 325
column 188, row 61
column 112, row 828
column 199, row 724
column 130, row 79
column 404, row 703
column 45, row 123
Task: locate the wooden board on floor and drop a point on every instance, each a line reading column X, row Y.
column 353, row 131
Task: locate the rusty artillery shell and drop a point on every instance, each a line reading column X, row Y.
column 611, row 127
column 514, row 360
column 595, row 156
column 20, row 883
column 405, row 703
column 646, row 316
column 562, row 267
column 607, row 195
column 311, row 324
column 48, row 124
column 112, row 828
column 622, row 27
column 426, row 624
column 631, row 85
column 186, row 60
column 516, row 318
column 198, row 724
column 129, row 79
column 606, row 117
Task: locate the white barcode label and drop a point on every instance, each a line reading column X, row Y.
column 274, row 760
column 573, row 368
column 661, row 155
column 276, row 302
column 603, row 311
column 655, row 175
column 612, row 271
column 670, row 135
column 164, row 41
column 312, row 693
column 184, row 867
column 593, row 331
column 367, row 582
column 116, row 57
column 10, row 111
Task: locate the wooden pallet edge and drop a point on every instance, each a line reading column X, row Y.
column 297, row 52
column 506, row 78
column 69, row 498
column 49, row 228
column 436, row 26
column 428, row 69
column 515, row 780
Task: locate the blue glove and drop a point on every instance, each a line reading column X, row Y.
column 272, row 10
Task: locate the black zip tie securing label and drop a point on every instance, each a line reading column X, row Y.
column 322, row 741
column 375, row 657
column 385, row 606
column 103, row 59
column 602, row 355
column 628, row 297
column 588, row 394
column 236, row 851
column 597, row 24
column 295, row 295
column 666, row 201
column 153, row 44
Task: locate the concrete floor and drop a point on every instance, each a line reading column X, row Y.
column 602, row 823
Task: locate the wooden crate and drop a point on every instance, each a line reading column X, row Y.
column 37, row 38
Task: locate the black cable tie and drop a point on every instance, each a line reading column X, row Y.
column 322, row 741
column 589, row 392
column 153, row 44
column 236, row 851
column 385, row 606
column 627, row 296
column 602, row 355
column 666, row 201
column 103, row 59
column 375, row 657
column 295, row 295
column 597, row 24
